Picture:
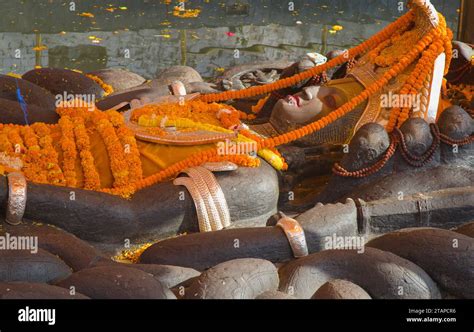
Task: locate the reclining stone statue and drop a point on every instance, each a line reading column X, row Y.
column 97, row 176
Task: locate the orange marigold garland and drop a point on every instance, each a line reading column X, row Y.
column 393, row 49
column 129, row 143
column 49, row 156
column 32, row 168
column 74, row 108
column 115, row 150
column 68, row 146
column 108, row 89
column 5, row 142
column 435, row 43
column 347, row 107
column 15, row 138
column 195, row 110
column 91, row 176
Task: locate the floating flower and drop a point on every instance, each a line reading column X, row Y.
column 14, row 75
column 186, row 13
column 40, row 48
column 85, row 14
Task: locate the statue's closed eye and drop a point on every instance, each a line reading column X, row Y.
column 330, row 101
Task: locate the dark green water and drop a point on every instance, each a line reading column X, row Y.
column 144, row 35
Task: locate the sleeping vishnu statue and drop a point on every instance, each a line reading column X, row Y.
column 193, row 163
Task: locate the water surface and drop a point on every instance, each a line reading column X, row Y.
column 146, row 36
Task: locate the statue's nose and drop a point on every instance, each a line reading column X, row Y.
column 308, row 93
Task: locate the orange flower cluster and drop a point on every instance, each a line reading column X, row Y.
column 11, row 141
column 128, row 141
column 32, row 169
column 91, row 176
column 34, row 147
column 231, row 118
column 108, row 89
column 115, row 150
column 5, row 144
column 132, row 154
column 195, row 110
column 393, row 49
column 68, row 146
column 430, row 46
column 16, row 140
column 49, row 159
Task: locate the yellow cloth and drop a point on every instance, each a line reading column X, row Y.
column 154, row 157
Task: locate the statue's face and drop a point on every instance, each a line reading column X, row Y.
column 305, row 105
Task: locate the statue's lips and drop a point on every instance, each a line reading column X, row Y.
column 293, row 100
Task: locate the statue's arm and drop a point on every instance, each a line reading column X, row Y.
column 100, row 216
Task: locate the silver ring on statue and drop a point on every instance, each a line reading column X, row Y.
column 295, row 235
column 16, row 198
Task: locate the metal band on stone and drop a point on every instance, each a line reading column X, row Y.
column 295, row 235
column 16, row 198
column 207, row 198
column 201, row 209
column 211, row 206
column 217, row 195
